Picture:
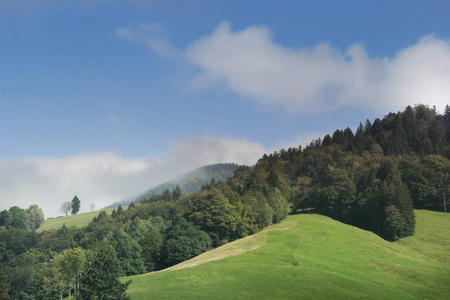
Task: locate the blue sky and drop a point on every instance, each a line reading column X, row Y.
column 103, row 99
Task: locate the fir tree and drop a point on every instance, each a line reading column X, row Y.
column 101, row 277
column 75, row 205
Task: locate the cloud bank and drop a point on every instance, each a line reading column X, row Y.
column 322, row 77
column 103, row 178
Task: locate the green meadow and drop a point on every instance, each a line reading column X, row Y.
column 312, row 257
column 432, row 236
column 78, row 220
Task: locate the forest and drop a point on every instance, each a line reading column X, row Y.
column 372, row 178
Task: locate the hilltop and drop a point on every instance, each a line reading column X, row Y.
column 310, row 257
column 190, row 182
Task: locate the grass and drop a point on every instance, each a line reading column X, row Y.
column 311, row 257
column 432, row 235
column 78, row 220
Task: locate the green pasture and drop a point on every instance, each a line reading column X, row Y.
column 313, row 257
column 78, row 220
column 432, row 236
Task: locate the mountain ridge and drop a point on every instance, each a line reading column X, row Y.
column 189, row 182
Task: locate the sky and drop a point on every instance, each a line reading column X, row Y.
column 104, row 99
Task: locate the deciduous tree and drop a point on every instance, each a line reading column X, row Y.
column 71, row 267
column 65, row 208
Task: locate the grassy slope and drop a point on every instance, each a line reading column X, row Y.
column 315, row 258
column 432, row 236
column 78, row 220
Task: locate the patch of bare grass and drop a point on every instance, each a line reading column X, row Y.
column 234, row 248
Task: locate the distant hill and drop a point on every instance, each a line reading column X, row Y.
column 78, row 220
column 190, row 182
column 311, row 257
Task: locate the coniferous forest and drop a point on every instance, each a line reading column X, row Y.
column 372, row 178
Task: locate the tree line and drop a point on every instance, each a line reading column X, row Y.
column 27, row 219
column 372, row 179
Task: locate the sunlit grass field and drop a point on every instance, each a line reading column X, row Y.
column 78, row 220
column 314, row 257
column 432, row 236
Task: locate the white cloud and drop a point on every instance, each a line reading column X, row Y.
column 321, row 78
column 203, row 151
column 151, row 36
column 103, row 178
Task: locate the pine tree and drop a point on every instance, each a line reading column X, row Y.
column 101, row 277
column 399, row 220
column 447, row 120
column 437, row 133
column 177, row 193
column 75, row 205
column 167, row 195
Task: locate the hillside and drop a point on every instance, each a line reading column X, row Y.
column 306, row 256
column 190, row 182
column 432, row 235
column 78, row 220
column 372, row 180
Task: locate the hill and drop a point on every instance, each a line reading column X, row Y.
column 78, row 220
column 373, row 180
column 310, row 257
column 190, row 182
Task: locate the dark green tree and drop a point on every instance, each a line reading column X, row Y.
column 437, row 133
column 75, row 205
column 399, row 220
column 20, row 218
column 119, row 210
column 151, row 245
column 360, row 139
column 176, row 193
column 213, row 213
column 327, row 141
column 413, row 175
column 338, row 137
column 183, row 242
column 393, row 222
column 398, row 139
column 348, row 139
column 338, row 194
column 436, row 170
column 58, row 241
column 100, row 280
column 167, row 195
column 129, row 253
